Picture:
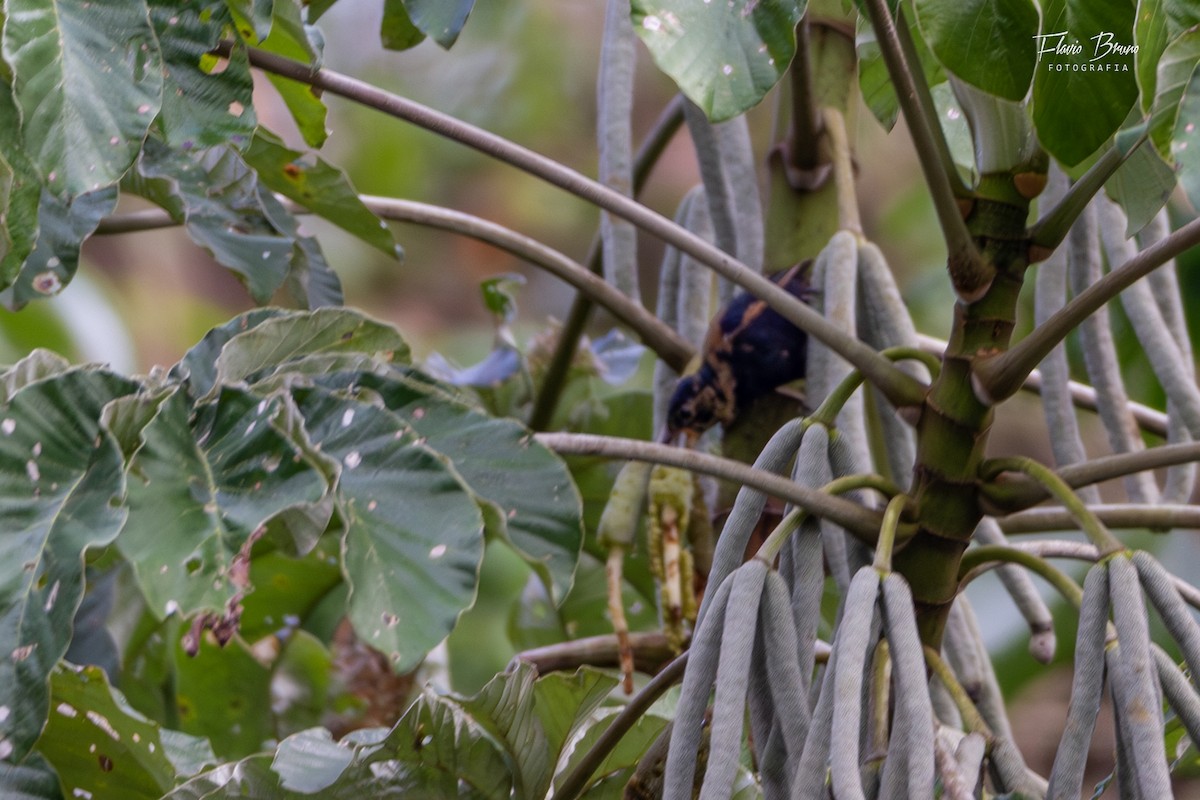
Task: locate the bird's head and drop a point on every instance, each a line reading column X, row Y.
column 695, row 407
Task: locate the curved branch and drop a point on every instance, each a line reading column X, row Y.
column 1016, row 495
column 1127, row 516
column 1000, row 376
column 861, row 522
column 900, row 388
column 1049, row 231
column 670, row 346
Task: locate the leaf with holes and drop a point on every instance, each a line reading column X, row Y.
column 202, row 483
column 524, row 490
column 61, row 494
column 88, row 80
column 105, row 750
column 320, row 187
column 724, row 56
column 414, row 536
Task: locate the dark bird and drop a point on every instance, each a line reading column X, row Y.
column 749, row 350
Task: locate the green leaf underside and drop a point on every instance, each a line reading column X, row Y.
column 89, row 81
column 724, row 56
column 319, row 186
column 440, row 20
column 1185, row 144
column 60, row 495
column 989, row 44
column 99, row 745
column 1179, row 62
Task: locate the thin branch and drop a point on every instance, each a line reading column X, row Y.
column 970, row 274
column 651, row 651
column 900, row 389
column 656, row 141
column 924, row 99
column 1015, row 495
column 1122, row 516
column 574, row 784
column 1049, row 231
column 998, row 377
column 861, row 522
column 1081, row 551
column 974, row 560
column 672, row 348
column 1095, row 528
column 1083, row 396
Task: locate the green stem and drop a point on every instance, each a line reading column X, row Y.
column 978, row 559
column 1058, row 488
column 900, row 388
column 774, row 542
column 1049, row 231
column 998, row 377
column 969, row 272
column 887, row 533
column 962, row 700
column 546, row 401
column 660, row 338
column 574, row 784
column 829, row 409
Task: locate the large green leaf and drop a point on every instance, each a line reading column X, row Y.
column 320, row 187
column 525, row 491
column 23, row 191
column 725, row 56
column 1175, row 69
column 32, row 779
column 62, row 227
column 989, row 44
column 397, row 31
column 414, row 536
column 289, row 37
column 60, row 492
column 1081, row 96
column 88, row 80
column 1185, row 144
column 202, row 483
column 274, row 342
column 1159, row 22
column 224, row 209
column 202, row 105
column 534, row 719
column 223, row 694
column 102, row 747
column 1142, row 186
column 198, row 367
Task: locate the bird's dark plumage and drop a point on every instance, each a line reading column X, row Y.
column 748, row 351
